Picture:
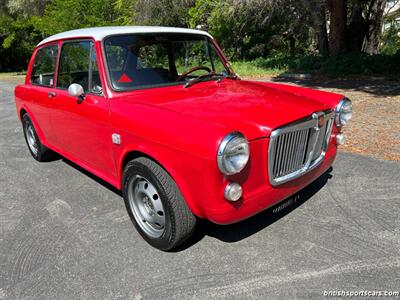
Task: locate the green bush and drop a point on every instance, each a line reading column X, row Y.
column 345, row 64
column 391, row 40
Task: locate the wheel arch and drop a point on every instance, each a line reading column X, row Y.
column 180, row 182
column 25, row 110
column 22, row 112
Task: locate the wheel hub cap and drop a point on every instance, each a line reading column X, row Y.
column 146, row 206
column 31, row 138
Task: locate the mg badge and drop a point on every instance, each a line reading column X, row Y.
column 319, row 119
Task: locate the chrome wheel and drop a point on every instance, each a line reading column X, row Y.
column 31, row 138
column 146, row 206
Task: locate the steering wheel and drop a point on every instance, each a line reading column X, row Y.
column 191, row 70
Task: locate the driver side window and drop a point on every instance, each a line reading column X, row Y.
column 78, row 65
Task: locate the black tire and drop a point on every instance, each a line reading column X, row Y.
column 179, row 220
column 36, row 148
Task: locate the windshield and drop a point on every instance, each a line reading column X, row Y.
column 149, row 60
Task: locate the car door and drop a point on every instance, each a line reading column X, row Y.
column 83, row 127
column 42, row 89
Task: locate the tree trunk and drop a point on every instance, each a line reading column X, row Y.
column 322, row 33
column 292, row 45
column 317, row 10
column 337, row 40
column 357, row 30
column 375, row 27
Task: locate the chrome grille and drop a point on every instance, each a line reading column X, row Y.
column 290, row 152
column 298, row 147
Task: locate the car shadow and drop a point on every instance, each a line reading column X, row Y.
column 92, row 176
column 242, row 230
column 238, row 231
column 374, row 86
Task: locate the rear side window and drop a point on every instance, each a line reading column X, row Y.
column 44, row 66
column 78, row 65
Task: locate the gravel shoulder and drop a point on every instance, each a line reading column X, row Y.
column 375, row 127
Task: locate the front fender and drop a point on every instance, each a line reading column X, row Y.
column 185, row 169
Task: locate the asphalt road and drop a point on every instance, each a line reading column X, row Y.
column 64, row 235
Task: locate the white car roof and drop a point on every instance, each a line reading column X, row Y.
column 99, row 33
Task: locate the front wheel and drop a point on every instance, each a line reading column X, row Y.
column 155, row 204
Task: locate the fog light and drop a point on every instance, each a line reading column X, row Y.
column 340, row 139
column 233, row 191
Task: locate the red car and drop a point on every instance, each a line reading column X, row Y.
column 159, row 113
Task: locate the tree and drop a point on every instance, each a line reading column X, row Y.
column 163, row 12
column 354, row 25
column 317, row 13
column 63, row 15
column 17, row 34
column 357, row 29
column 338, row 21
column 375, row 22
column 27, row 8
column 246, row 29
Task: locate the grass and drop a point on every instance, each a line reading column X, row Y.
column 11, row 74
column 14, row 77
column 249, row 69
column 351, row 64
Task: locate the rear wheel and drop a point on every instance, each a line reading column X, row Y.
column 36, row 148
column 155, row 204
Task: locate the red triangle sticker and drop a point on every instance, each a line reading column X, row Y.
column 124, row 78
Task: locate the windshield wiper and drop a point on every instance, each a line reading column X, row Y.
column 231, row 76
column 203, row 77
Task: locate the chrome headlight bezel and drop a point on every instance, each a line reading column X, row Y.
column 225, row 166
column 344, row 107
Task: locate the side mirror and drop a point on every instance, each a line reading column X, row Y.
column 76, row 90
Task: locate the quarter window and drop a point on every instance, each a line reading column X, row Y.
column 44, row 66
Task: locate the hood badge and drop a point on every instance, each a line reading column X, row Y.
column 319, row 119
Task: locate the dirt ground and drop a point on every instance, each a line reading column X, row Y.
column 375, row 127
column 16, row 79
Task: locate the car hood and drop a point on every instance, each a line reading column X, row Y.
column 253, row 108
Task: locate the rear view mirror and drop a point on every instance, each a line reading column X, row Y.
column 76, row 90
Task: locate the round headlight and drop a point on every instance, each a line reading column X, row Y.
column 233, row 153
column 344, row 112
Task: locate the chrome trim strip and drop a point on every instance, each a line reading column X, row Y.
column 293, row 153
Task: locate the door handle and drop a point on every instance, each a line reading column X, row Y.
column 51, row 94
